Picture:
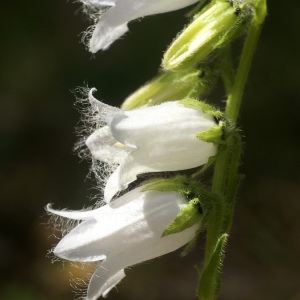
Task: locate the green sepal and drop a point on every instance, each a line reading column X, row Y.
column 189, row 247
column 210, row 277
column 205, row 107
column 188, row 216
column 212, row 135
column 175, row 184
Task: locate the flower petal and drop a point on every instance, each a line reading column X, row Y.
column 72, row 214
column 103, row 280
column 79, row 244
column 131, row 226
column 104, row 147
column 113, row 23
column 123, row 175
column 113, row 185
column 165, row 140
column 153, row 125
column 99, row 3
column 123, row 233
column 103, row 109
column 104, row 35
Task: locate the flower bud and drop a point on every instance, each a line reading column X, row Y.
column 215, row 26
column 169, row 86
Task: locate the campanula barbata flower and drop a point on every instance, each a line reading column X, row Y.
column 149, row 139
column 112, row 24
column 123, row 233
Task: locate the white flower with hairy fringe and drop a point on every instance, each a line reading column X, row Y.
column 112, row 23
column 123, row 233
column 150, row 139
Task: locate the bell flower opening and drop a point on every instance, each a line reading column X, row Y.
column 149, row 139
column 123, row 233
column 112, row 24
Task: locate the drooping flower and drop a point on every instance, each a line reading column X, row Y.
column 112, row 23
column 123, row 233
column 150, row 139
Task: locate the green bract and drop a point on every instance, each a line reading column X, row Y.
column 213, row 135
column 210, row 280
column 188, row 216
column 216, row 25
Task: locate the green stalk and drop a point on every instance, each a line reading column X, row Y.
column 225, row 65
column 226, row 167
column 235, row 98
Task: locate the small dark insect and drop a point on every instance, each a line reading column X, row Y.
column 238, row 11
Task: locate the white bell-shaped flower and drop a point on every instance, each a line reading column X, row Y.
column 123, row 233
column 150, row 139
column 112, row 23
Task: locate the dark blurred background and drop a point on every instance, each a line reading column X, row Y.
column 42, row 61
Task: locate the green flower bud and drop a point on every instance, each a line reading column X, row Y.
column 215, row 26
column 172, row 86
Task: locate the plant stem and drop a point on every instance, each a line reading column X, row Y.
column 235, row 97
column 226, row 167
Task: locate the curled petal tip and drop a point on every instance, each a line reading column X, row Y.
column 73, row 215
column 48, row 207
column 92, row 99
